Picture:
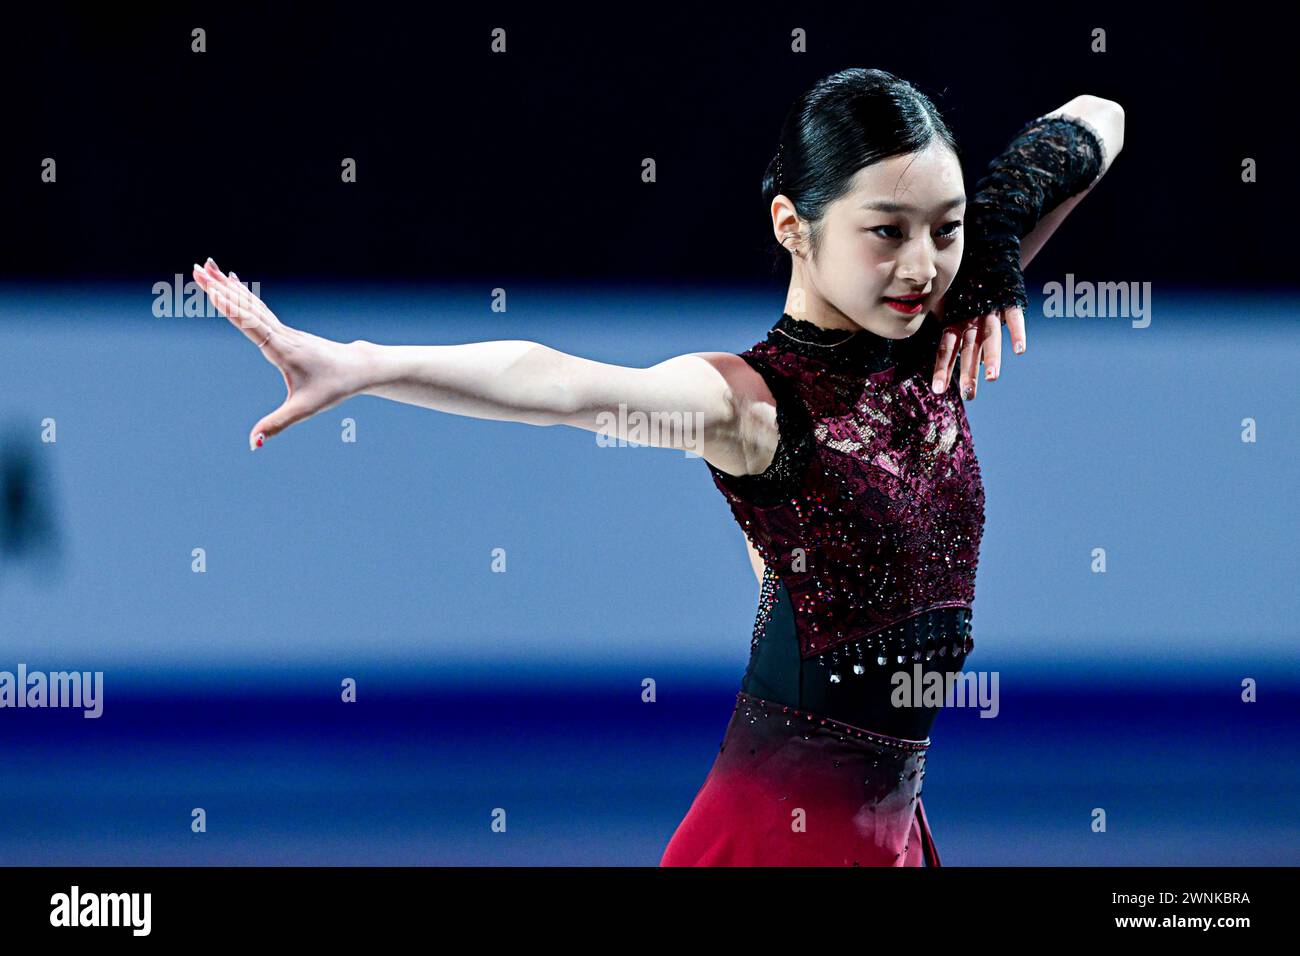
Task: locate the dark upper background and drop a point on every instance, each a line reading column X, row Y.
column 475, row 166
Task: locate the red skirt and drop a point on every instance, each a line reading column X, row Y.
column 793, row 788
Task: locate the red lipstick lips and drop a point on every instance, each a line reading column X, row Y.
column 907, row 304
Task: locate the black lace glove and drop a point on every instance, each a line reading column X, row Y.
column 1048, row 161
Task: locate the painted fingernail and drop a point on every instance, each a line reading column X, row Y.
column 968, row 392
column 258, row 438
column 937, row 385
column 990, row 372
column 1020, row 347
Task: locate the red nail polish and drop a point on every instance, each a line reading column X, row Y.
column 259, row 441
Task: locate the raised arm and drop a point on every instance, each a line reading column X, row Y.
column 1025, row 194
column 1106, row 117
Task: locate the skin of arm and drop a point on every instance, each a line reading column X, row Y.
column 523, row 381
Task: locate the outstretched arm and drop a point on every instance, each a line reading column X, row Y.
column 524, row 381
column 711, row 403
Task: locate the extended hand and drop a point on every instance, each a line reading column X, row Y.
column 318, row 373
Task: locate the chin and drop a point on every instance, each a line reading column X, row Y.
column 908, row 325
column 893, row 325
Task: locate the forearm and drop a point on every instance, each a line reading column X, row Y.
column 1051, row 162
column 1106, row 118
column 1032, row 243
column 509, row 380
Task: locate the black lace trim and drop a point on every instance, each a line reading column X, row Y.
column 861, row 351
column 1051, row 158
column 784, row 476
column 1088, row 135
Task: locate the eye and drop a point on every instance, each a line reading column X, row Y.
column 947, row 232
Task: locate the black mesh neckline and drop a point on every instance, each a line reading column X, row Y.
column 862, row 351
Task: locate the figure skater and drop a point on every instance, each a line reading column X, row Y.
column 839, row 441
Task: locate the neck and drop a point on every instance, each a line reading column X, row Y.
column 803, row 300
column 852, row 349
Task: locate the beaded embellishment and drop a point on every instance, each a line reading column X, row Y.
column 755, row 707
column 944, row 632
column 767, row 597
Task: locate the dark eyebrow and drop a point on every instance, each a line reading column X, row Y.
column 882, row 206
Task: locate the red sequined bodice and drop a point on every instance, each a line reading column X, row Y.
column 872, row 510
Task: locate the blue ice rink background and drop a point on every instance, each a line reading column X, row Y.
column 522, row 690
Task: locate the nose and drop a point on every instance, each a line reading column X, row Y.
column 916, row 264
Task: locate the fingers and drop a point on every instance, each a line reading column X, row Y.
column 969, row 361
column 991, row 346
column 944, row 359
column 233, row 299
column 210, row 269
column 1015, row 319
column 250, row 304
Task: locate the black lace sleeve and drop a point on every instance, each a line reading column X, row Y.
column 1048, row 161
column 1056, row 156
column 782, row 478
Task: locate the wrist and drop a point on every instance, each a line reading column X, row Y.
column 367, row 361
column 989, row 280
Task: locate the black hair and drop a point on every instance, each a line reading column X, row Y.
column 848, row 120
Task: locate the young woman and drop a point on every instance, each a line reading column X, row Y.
column 839, row 441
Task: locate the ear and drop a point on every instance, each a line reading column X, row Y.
column 785, row 221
